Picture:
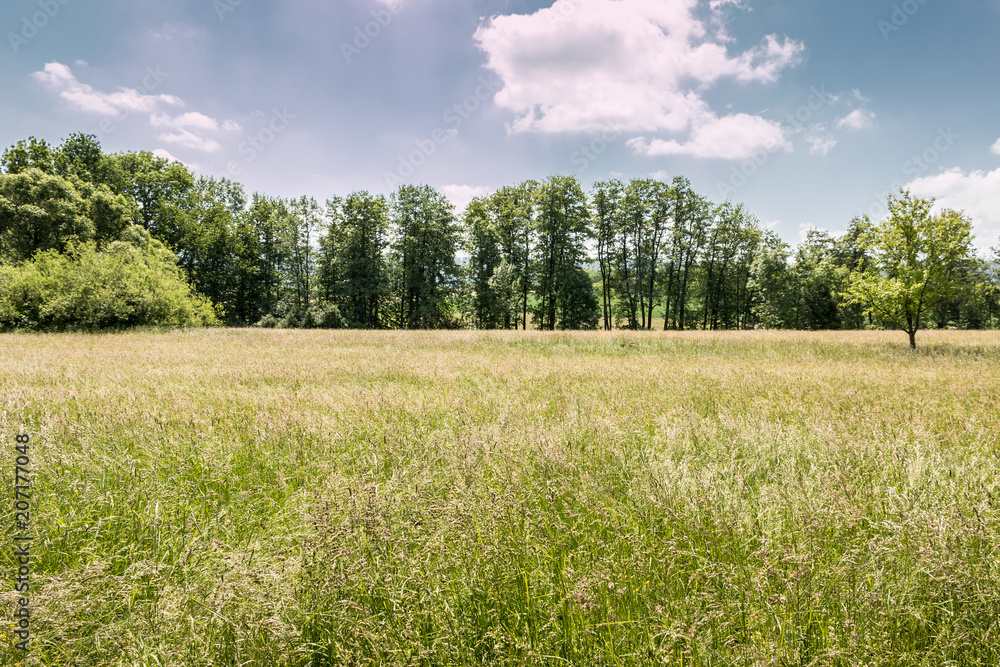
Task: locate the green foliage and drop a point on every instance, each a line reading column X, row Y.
column 423, row 267
column 317, row 316
column 916, row 261
column 563, row 227
column 353, row 272
column 577, row 304
column 131, row 282
column 772, row 282
column 29, row 154
column 158, row 187
column 40, row 212
column 661, row 251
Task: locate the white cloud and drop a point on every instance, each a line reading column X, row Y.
column 188, row 139
column 637, row 66
column 461, row 195
column 819, row 145
column 977, row 193
column 60, row 78
column 859, row 119
column 736, row 137
column 192, row 119
column 166, row 155
column 996, row 147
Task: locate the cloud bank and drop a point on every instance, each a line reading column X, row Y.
column 633, row 66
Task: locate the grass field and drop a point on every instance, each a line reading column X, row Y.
column 247, row 497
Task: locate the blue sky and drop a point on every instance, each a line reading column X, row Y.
column 808, row 111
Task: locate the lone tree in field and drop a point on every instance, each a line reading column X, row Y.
column 916, row 262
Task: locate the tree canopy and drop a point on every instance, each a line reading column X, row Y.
column 538, row 254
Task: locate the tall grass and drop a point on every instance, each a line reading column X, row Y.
column 390, row 498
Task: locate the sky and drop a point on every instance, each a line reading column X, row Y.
column 810, row 112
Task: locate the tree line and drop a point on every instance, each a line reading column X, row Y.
column 172, row 248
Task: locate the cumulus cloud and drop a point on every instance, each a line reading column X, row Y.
column 461, row 195
column 189, row 139
column 630, row 66
column 976, row 192
column 60, row 78
column 166, row 155
column 859, row 119
column 996, row 147
column 192, row 119
column 736, row 137
column 821, row 144
column 188, row 127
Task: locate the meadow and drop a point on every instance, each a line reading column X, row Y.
column 279, row 497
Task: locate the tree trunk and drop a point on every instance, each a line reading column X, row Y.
column 913, row 339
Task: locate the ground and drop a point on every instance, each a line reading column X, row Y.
column 249, row 497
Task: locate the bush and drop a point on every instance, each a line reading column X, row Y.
column 134, row 281
column 324, row 317
column 319, row 316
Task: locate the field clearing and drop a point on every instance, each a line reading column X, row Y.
column 281, row 497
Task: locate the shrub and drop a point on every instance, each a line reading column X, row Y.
column 134, row 281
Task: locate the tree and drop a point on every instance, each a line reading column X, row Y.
column 606, row 208
column 774, row 287
column 916, row 257
column 158, row 187
column 207, row 242
column 304, row 219
column 482, row 242
column 504, row 286
column 578, row 307
column 692, row 217
column 352, row 266
column 512, row 210
column 39, row 211
column 29, row 154
column 423, row 257
column 563, row 227
column 80, row 155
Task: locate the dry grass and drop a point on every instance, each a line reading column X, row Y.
column 273, row 497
